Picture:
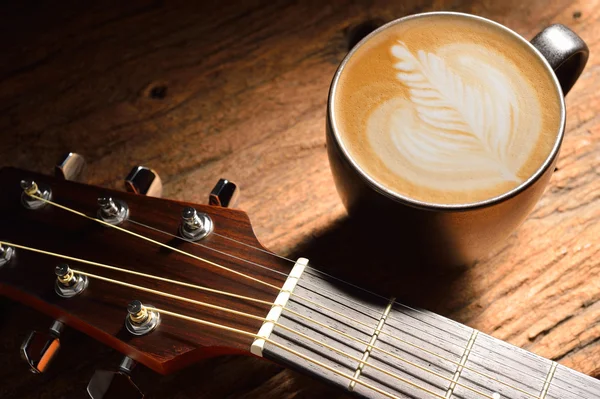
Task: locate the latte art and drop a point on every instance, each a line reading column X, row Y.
column 456, row 120
column 447, row 109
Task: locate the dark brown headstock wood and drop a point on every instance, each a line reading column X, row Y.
column 100, row 310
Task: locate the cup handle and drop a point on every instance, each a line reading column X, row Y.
column 566, row 52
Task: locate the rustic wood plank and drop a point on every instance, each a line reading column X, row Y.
column 238, row 90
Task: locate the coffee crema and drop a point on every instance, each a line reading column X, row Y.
column 447, row 109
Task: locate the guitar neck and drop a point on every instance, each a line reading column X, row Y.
column 378, row 348
column 213, row 296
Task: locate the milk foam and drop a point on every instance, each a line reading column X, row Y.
column 447, row 109
column 460, row 127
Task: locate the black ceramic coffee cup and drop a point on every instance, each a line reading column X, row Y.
column 452, row 234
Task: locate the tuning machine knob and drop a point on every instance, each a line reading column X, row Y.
column 39, row 349
column 144, row 181
column 118, row 384
column 71, row 167
column 225, row 194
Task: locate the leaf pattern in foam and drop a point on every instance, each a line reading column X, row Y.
column 466, row 117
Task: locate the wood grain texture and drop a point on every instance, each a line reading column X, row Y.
column 214, row 89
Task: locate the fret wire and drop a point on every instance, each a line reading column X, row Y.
column 220, row 266
column 463, row 361
column 408, row 343
column 294, row 352
column 233, row 311
column 368, row 325
column 154, row 241
column 422, row 331
column 549, row 378
column 363, row 323
column 366, row 363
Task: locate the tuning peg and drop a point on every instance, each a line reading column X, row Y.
column 115, row 384
column 225, row 194
column 144, row 181
column 39, row 349
column 70, row 167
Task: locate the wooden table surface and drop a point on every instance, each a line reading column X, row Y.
column 202, row 90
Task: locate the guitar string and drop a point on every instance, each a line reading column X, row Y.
column 244, row 314
column 306, row 282
column 281, row 346
column 425, row 332
column 150, row 276
column 351, row 301
column 384, row 299
column 450, row 322
column 433, row 316
column 307, row 358
column 196, row 257
column 65, row 208
column 264, row 319
column 217, row 265
column 180, row 251
column 165, row 246
column 254, row 317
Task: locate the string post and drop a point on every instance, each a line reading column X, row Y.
column 140, row 320
column 65, row 275
column 29, row 187
column 111, row 210
column 194, row 225
column 68, row 283
column 34, row 196
column 6, row 253
column 137, row 312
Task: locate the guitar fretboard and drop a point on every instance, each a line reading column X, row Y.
column 408, row 353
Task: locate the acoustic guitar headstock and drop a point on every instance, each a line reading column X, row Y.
column 124, row 267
